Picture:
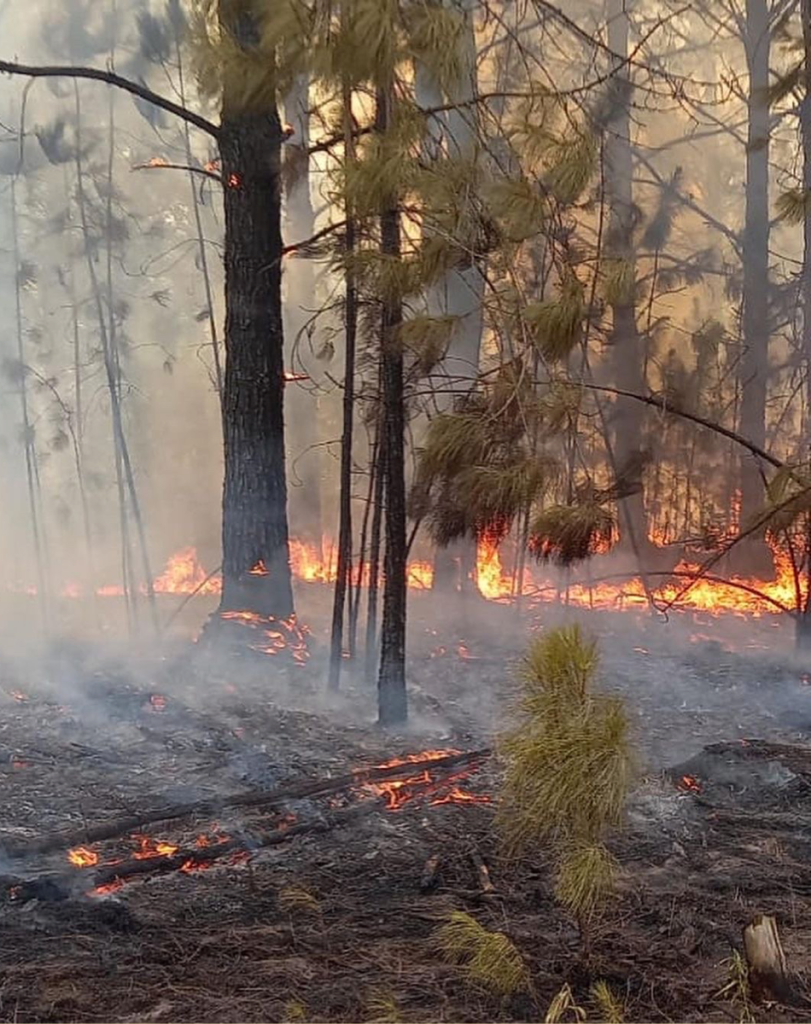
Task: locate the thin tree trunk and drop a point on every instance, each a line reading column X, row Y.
column 803, row 627
column 354, row 613
column 374, row 552
column 345, row 525
column 754, row 365
column 392, row 697
column 256, row 558
column 37, row 527
column 201, row 240
column 299, row 301
column 625, row 341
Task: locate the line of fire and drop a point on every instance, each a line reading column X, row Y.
column 405, row 511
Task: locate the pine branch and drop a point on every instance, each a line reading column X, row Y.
column 110, row 78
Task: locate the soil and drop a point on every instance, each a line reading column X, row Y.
column 335, row 925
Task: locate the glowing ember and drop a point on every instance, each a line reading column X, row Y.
column 158, row 161
column 191, row 865
column 690, row 784
column 259, row 569
column 18, row 695
column 157, row 702
column 105, row 890
column 460, row 796
column 292, row 378
column 17, row 764
column 274, row 635
column 81, row 857
column 234, row 181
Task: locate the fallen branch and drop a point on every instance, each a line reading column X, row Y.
column 110, row 830
column 58, row 886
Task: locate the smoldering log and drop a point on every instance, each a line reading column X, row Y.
column 320, row 787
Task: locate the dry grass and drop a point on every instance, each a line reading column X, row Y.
column 585, row 879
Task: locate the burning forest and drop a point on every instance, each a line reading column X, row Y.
column 405, row 544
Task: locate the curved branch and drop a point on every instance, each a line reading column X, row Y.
column 111, row 78
column 665, row 406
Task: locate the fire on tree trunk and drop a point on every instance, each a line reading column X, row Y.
column 256, row 568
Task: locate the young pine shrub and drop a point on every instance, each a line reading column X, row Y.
column 569, row 769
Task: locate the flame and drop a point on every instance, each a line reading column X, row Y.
column 690, row 784
column 184, row 575
column 19, row 696
column 149, row 848
column 157, row 161
column 82, row 857
column 398, row 792
column 234, row 181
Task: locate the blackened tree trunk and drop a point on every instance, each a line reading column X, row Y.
column 344, row 567
column 256, row 560
column 626, row 344
column 392, row 699
column 754, row 367
column 803, row 625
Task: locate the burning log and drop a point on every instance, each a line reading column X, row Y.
column 768, row 977
column 211, row 808
column 197, row 858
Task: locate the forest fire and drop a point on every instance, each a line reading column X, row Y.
column 685, row 589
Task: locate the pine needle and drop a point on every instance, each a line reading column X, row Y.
column 382, row 1008
column 294, row 898
column 585, row 879
column 567, row 534
column 489, row 960
column 564, row 1004
column 296, row 1010
column 609, row 1006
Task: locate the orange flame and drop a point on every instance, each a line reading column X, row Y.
column 690, row 784
column 184, row 575
column 149, row 848
column 82, row 857
column 397, row 792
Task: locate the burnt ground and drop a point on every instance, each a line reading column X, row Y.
column 334, row 925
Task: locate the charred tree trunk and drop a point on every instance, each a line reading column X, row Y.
column 803, row 625
column 256, row 558
column 754, row 366
column 627, row 350
column 256, row 561
column 379, row 470
column 392, row 700
column 344, row 568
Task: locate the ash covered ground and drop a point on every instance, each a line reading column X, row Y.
column 334, row 924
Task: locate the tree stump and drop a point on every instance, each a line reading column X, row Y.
column 768, row 978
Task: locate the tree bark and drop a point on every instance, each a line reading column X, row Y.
column 344, row 567
column 803, row 624
column 627, row 355
column 754, row 366
column 256, row 560
column 392, row 699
